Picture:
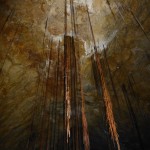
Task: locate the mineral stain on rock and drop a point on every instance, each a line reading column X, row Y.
column 24, row 61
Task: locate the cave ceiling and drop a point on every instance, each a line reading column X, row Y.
column 27, row 28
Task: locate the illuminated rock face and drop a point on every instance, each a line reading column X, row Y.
column 23, row 64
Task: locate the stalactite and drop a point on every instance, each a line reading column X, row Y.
column 111, row 78
column 139, row 23
column 29, row 143
column 75, row 100
column 53, row 108
column 96, row 77
column 56, row 97
column 77, row 70
column 84, row 120
column 132, row 89
column 64, row 120
column 49, row 120
column 64, row 102
column 40, row 111
column 46, row 23
column 59, row 94
column 122, row 17
column 108, row 105
column 90, row 24
column 72, row 121
column 131, row 84
column 67, row 86
column 68, row 112
column 42, row 139
column 65, row 18
column 106, row 95
column 53, row 103
column 132, row 116
column 83, row 136
column 67, row 105
column 85, row 130
column 73, row 16
column 108, row 3
column 74, row 106
column 98, row 85
column 135, row 97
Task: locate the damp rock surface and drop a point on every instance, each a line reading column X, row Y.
column 27, row 28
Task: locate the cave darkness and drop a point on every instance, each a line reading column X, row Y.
column 74, row 74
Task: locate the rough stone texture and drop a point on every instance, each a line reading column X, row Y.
column 23, row 65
